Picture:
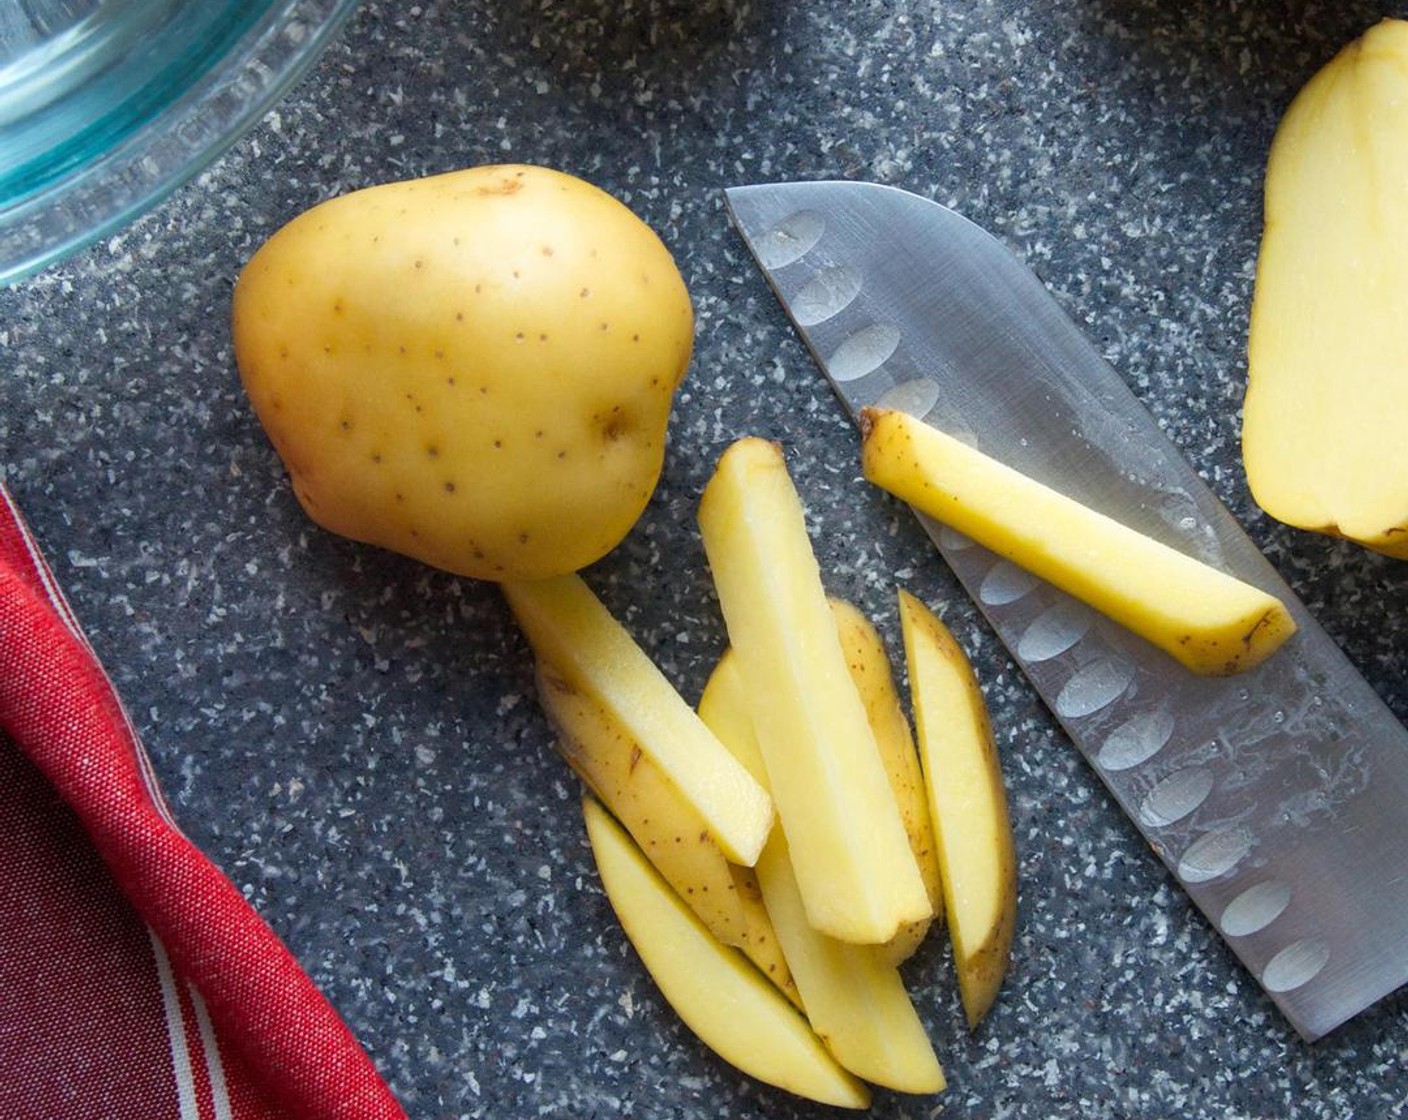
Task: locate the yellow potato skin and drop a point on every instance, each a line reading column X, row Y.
column 666, row 827
column 475, row 369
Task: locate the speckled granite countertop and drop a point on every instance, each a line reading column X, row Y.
column 354, row 738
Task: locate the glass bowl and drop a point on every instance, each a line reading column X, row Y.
column 108, row 105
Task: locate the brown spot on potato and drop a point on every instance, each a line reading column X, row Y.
column 502, row 186
column 613, row 425
column 449, row 487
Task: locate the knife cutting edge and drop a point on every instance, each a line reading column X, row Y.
column 1275, row 797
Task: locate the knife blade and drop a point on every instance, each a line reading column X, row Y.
column 1275, row 797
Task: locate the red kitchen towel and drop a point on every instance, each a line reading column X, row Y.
column 135, row 980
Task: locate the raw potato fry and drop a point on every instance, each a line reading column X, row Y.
column 760, row 944
column 1209, row 621
column 870, row 669
column 967, row 803
column 665, row 826
column 852, row 858
column 852, row 994
column 571, row 629
column 720, row 996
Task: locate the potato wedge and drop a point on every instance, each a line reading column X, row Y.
column 571, row 629
column 852, row 994
column 720, row 996
column 667, row 828
column 874, row 679
column 1207, row 620
column 852, row 858
column 967, row 804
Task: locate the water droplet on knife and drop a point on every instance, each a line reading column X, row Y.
column 791, row 239
column 1136, row 740
column 1006, row 583
column 827, row 293
column 1255, row 908
column 1295, row 965
column 1091, row 689
column 863, row 352
column 1214, row 854
column 1176, row 796
column 1054, row 631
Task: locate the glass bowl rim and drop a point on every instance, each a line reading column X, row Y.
column 174, row 145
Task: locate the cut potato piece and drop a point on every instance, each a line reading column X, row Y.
column 1327, row 388
column 967, row 804
column 852, row 994
column 1207, row 620
column 571, row 629
column 870, row 670
column 720, row 996
column 760, row 944
column 668, row 829
column 851, row 855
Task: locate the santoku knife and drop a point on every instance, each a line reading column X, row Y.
column 1279, row 797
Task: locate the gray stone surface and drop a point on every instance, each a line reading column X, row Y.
column 354, row 738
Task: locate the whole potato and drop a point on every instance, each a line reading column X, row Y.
column 475, row 369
